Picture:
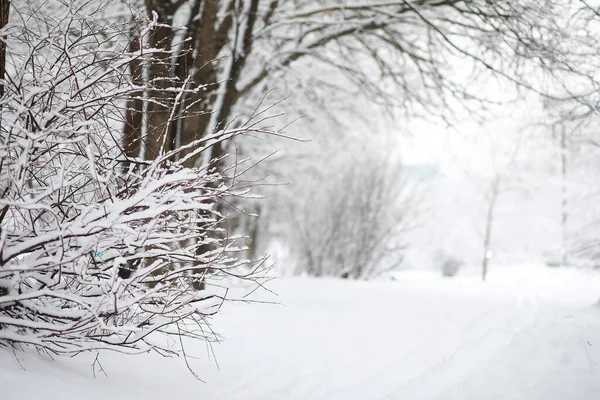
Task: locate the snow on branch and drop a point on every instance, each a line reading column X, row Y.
column 98, row 250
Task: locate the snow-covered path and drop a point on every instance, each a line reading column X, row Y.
column 529, row 334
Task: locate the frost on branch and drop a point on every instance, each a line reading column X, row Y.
column 98, row 250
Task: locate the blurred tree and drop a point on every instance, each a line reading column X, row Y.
column 400, row 53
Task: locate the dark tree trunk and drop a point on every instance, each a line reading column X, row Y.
column 132, row 133
column 192, row 61
column 4, row 12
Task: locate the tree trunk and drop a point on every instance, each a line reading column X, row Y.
column 488, row 227
column 4, row 12
column 132, row 131
column 564, row 217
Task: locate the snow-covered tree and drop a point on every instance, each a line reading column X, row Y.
column 416, row 57
column 401, row 53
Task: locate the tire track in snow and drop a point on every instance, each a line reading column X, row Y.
column 485, row 338
column 382, row 364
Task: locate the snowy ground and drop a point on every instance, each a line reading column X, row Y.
column 528, row 333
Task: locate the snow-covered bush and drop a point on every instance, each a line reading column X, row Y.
column 99, row 250
column 450, row 265
column 353, row 224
